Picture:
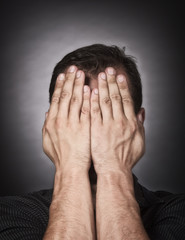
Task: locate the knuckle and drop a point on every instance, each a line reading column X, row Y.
column 106, row 100
column 116, row 97
column 64, row 94
column 133, row 127
column 95, row 109
column 85, row 110
column 121, row 124
column 55, row 99
column 126, row 99
column 74, row 99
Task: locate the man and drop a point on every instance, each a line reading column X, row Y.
column 94, row 135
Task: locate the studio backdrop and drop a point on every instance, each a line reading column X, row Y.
column 35, row 35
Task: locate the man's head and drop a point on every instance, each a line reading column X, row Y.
column 94, row 59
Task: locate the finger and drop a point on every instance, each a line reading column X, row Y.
column 53, row 110
column 85, row 109
column 46, row 115
column 128, row 104
column 117, row 107
column 77, row 96
column 66, row 93
column 47, row 146
column 95, row 106
column 141, row 117
column 43, row 127
column 104, row 98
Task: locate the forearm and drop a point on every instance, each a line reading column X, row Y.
column 117, row 211
column 71, row 213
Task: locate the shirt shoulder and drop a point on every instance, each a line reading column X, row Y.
column 169, row 219
column 162, row 212
column 25, row 216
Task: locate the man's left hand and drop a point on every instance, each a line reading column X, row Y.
column 117, row 134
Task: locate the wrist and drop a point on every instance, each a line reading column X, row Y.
column 112, row 164
column 120, row 178
column 69, row 171
column 111, row 171
column 72, row 167
column 71, row 179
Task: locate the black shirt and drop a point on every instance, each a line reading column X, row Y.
column 26, row 216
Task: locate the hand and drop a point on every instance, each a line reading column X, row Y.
column 117, row 135
column 66, row 130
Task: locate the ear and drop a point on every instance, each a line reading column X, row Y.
column 141, row 115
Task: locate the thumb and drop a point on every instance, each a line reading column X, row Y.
column 140, row 118
column 46, row 115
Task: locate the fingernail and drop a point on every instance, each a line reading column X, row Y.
column 96, row 91
column 120, row 78
column 78, row 74
column 86, row 89
column 61, row 77
column 103, row 76
column 71, row 69
column 111, row 71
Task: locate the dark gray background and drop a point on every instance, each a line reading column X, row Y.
column 36, row 35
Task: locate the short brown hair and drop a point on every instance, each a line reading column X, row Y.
column 94, row 59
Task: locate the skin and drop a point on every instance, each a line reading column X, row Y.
column 98, row 126
column 66, row 141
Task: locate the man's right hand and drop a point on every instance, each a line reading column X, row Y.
column 66, row 130
column 66, row 141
